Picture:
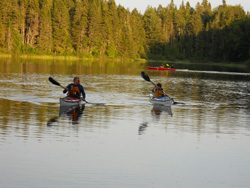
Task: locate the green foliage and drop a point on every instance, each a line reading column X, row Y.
column 45, row 40
column 100, row 28
column 79, row 26
column 16, row 47
column 111, row 51
column 61, row 26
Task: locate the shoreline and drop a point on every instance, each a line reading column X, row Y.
column 122, row 59
column 70, row 57
column 189, row 62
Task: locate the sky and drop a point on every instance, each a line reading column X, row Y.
column 141, row 5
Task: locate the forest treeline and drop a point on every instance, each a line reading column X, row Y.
column 100, row 28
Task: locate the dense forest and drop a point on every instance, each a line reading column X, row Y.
column 100, row 28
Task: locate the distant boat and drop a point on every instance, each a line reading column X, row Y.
column 160, row 68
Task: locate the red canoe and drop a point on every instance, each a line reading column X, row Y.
column 160, row 68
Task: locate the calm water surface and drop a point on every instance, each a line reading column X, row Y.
column 128, row 142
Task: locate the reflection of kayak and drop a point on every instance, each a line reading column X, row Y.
column 73, row 113
column 162, row 108
column 70, row 101
column 160, row 68
column 64, row 110
column 166, row 101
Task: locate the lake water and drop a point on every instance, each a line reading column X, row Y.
column 128, row 142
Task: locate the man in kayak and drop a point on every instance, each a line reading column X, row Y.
column 75, row 89
column 158, row 91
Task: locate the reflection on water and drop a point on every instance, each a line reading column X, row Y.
column 128, row 142
column 158, row 109
column 142, row 128
column 73, row 113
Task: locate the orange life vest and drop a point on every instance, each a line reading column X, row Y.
column 74, row 91
column 158, row 93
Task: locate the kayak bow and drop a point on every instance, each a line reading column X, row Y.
column 70, row 101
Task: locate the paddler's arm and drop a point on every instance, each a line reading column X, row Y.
column 66, row 89
column 153, row 90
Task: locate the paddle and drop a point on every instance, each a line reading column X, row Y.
column 53, row 81
column 146, row 77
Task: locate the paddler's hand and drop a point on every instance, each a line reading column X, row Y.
column 83, row 100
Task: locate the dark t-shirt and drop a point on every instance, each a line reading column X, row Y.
column 76, row 90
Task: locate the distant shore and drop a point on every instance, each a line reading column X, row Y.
column 69, row 57
column 122, row 59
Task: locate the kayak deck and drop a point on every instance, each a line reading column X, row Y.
column 70, row 101
column 166, row 101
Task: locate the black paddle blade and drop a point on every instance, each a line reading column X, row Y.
column 145, row 76
column 54, row 82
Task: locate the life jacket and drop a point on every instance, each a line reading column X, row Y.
column 158, row 93
column 74, row 91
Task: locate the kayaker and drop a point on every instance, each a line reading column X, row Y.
column 162, row 66
column 158, row 91
column 172, row 66
column 75, row 89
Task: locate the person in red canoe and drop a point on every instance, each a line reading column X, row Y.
column 75, row 89
column 158, row 91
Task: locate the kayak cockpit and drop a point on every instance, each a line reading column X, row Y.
column 70, row 101
column 161, row 100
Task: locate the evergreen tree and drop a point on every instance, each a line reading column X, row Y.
column 125, row 41
column 94, row 31
column 32, row 23
column 45, row 40
column 61, row 26
column 2, row 33
column 138, row 34
column 79, row 26
column 152, row 25
column 107, row 31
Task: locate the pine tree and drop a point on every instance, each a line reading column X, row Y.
column 61, row 26
column 138, row 34
column 79, row 26
column 107, row 31
column 114, row 20
column 94, row 32
column 125, row 41
column 224, row 3
column 32, row 23
column 45, row 40
column 152, row 25
column 2, row 33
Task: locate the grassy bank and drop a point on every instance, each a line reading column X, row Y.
column 245, row 64
column 71, row 58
